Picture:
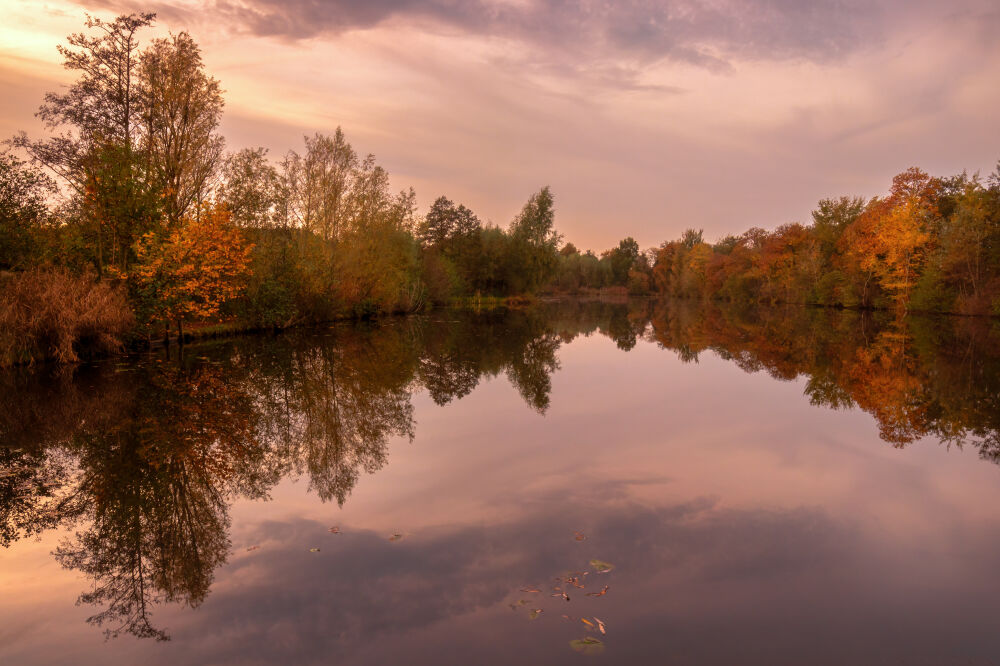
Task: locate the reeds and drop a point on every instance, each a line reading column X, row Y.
column 52, row 314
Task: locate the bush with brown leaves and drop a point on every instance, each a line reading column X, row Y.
column 51, row 314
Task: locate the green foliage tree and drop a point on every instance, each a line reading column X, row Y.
column 534, row 244
column 24, row 214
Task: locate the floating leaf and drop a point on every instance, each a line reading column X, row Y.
column 588, row 645
column 396, row 537
column 600, row 625
column 601, row 567
column 533, row 615
column 334, row 530
column 523, row 602
column 253, row 548
column 314, row 550
column 599, row 594
column 580, row 536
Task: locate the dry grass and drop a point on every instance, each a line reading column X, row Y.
column 55, row 315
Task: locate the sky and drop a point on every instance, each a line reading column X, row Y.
column 644, row 117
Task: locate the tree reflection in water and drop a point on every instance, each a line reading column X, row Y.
column 145, row 458
column 918, row 377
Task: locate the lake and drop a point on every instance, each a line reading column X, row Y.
column 573, row 482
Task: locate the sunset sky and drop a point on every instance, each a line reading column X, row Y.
column 644, row 117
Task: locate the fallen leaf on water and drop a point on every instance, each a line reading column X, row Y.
column 534, row 614
column 523, row 602
column 314, row 550
column 588, row 645
column 334, row 530
column 253, row 548
column 580, row 536
column 599, row 594
column 395, row 537
column 600, row 625
column 601, row 567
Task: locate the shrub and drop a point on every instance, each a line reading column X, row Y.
column 53, row 314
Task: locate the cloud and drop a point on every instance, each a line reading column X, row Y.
column 701, row 32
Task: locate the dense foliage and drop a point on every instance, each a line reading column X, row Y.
column 133, row 189
column 932, row 244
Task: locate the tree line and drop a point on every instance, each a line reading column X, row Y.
column 931, row 245
column 133, row 195
column 130, row 219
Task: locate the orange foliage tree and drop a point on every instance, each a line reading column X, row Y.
column 892, row 237
column 192, row 269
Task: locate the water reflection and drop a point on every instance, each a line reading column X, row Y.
column 144, row 458
column 919, row 377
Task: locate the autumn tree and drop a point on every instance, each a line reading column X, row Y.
column 970, row 237
column 189, row 271
column 891, row 239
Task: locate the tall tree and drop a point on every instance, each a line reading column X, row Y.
column 318, row 184
column 102, row 106
column 182, row 106
column 534, row 243
column 98, row 127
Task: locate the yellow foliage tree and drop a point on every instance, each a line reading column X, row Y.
column 892, row 237
column 193, row 269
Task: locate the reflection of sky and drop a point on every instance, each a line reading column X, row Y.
column 746, row 526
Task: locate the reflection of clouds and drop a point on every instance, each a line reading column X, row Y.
column 362, row 590
column 686, row 576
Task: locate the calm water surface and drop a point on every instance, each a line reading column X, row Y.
column 711, row 486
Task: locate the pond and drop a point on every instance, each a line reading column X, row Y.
column 573, row 482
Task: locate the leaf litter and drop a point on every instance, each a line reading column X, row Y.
column 601, row 566
column 588, row 645
column 560, row 588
